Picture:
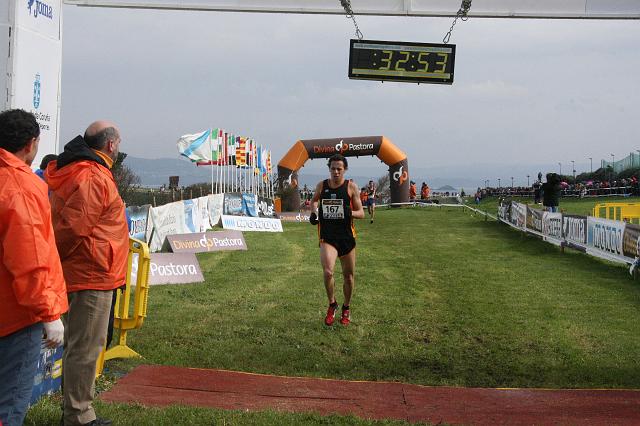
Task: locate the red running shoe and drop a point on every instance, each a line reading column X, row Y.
column 346, row 317
column 331, row 314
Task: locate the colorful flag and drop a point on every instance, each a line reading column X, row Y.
column 269, row 162
column 196, row 147
column 241, row 154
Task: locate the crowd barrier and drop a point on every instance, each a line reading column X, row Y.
column 125, row 318
column 153, row 224
column 618, row 191
column 607, row 239
column 626, row 212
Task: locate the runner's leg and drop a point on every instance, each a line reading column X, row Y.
column 348, row 262
column 328, row 256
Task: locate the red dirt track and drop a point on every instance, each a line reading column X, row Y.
column 230, row 390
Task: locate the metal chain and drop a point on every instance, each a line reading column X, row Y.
column 462, row 14
column 346, row 4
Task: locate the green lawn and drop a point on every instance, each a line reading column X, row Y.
column 442, row 297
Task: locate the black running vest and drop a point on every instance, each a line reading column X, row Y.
column 334, row 212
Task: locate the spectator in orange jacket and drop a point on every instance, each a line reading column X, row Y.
column 32, row 290
column 412, row 191
column 93, row 241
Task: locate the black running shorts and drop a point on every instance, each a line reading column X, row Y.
column 343, row 245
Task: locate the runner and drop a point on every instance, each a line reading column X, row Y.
column 339, row 202
column 371, row 199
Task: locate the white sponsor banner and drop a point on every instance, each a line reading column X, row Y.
column 605, row 235
column 166, row 220
column 34, row 65
column 552, row 226
column 518, row 214
column 201, row 216
column 215, row 204
column 174, row 268
column 40, row 16
column 246, row 223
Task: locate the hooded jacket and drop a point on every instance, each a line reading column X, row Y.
column 32, row 286
column 88, row 219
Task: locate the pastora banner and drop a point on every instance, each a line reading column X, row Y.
column 518, row 214
column 138, row 219
column 207, row 242
column 293, row 217
column 631, row 241
column 534, row 219
column 574, row 230
column 244, row 223
column 605, row 235
column 174, row 268
column 552, row 225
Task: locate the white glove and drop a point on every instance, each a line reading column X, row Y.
column 54, row 333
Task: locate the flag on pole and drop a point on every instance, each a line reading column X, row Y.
column 232, row 150
column 196, row 147
column 241, row 155
column 269, row 162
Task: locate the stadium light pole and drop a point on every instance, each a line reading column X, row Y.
column 511, row 182
column 499, row 183
column 591, row 160
column 560, row 164
column 573, row 166
column 528, row 180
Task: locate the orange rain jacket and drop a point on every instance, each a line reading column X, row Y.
column 88, row 219
column 31, row 282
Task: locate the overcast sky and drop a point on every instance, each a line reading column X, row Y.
column 527, row 93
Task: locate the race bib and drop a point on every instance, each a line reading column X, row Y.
column 332, row 209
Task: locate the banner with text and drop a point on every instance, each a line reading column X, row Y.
column 138, row 218
column 245, row 223
column 174, row 268
column 207, row 241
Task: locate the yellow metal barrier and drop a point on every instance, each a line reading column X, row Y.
column 628, row 212
column 123, row 319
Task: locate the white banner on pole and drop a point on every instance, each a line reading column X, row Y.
column 246, row 223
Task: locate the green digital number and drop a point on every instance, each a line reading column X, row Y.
column 387, row 60
column 402, row 61
column 423, row 62
column 443, row 63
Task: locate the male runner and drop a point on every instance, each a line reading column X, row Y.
column 371, row 199
column 339, row 203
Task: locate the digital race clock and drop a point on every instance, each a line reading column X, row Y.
column 401, row 61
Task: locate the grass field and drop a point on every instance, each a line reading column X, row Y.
column 442, row 297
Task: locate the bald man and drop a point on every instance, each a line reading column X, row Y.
column 93, row 241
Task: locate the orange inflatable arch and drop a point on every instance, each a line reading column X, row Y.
column 380, row 146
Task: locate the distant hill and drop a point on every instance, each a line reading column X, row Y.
column 446, row 188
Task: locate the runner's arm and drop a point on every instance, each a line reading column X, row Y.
column 357, row 211
column 316, row 198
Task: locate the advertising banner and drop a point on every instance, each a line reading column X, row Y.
column 232, row 204
column 266, row 207
column 631, row 241
column 605, row 235
column 174, row 268
column 294, row 217
column 201, row 219
column 504, row 212
column 574, row 230
column 215, row 205
column 138, row 221
column 207, row 241
column 244, row 223
column 249, row 205
column 35, row 59
column 534, row 219
column 552, row 225
column 166, row 220
column 518, row 214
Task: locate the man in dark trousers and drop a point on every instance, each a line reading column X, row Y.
column 93, row 241
column 334, row 205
